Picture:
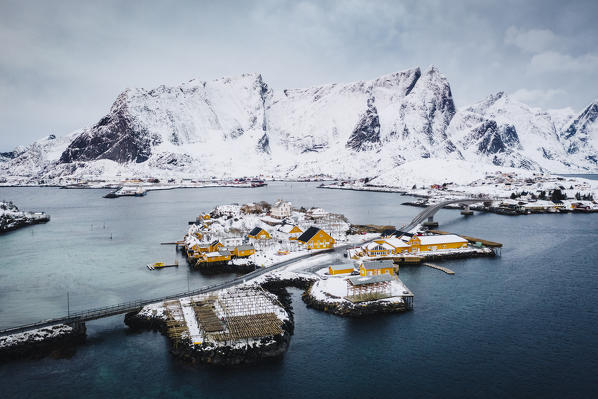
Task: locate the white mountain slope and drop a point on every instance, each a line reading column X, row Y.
column 234, row 127
column 510, row 133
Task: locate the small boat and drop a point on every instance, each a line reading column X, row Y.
column 161, row 265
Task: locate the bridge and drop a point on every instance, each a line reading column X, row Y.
column 430, row 211
column 74, row 318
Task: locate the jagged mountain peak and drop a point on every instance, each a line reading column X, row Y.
column 235, row 126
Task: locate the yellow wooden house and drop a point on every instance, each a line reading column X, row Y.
column 292, row 230
column 316, row 238
column 243, row 251
column 346, row 268
column 437, row 242
column 259, row 234
column 217, row 256
column 215, row 246
column 386, row 247
column 376, row 268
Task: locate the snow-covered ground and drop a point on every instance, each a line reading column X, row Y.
column 442, row 179
column 37, row 335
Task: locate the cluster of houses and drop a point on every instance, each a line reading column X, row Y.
column 277, row 225
column 394, row 242
column 312, row 238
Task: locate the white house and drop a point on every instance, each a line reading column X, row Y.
column 281, row 209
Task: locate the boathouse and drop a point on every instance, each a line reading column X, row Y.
column 243, row 251
column 259, row 234
column 436, row 242
column 217, row 256
column 316, row 238
column 346, row 268
column 376, row 268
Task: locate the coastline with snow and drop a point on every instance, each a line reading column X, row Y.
column 11, row 218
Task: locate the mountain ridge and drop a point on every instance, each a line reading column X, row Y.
column 233, row 127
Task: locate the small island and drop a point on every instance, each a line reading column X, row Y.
column 11, row 218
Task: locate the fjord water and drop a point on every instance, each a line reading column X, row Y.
column 520, row 325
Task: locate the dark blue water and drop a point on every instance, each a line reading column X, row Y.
column 522, row 325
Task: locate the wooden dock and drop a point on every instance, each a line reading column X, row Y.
column 472, row 240
column 444, row 269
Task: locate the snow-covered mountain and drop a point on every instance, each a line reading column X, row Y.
column 240, row 127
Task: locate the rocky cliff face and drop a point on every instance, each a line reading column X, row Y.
column 240, row 126
column 581, row 135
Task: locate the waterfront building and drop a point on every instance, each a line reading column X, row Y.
column 376, row 267
column 346, row 268
column 316, row 238
column 436, row 242
column 243, row 251
column 259, row 234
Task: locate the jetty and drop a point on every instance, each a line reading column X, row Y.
column 442, row 268
column 473, row 240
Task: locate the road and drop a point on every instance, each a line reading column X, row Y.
column 107, row 311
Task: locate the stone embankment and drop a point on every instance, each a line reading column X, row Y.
column 57, row 341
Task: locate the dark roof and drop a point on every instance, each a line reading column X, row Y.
column 255, row 231
column 308, row 234
column 407, row 234
column 388, row 232
column 214, row 242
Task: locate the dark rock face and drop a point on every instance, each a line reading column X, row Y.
column 493, row 139
column 577, row 133
column 263, row 144
column 366, row 134
column 115, row 137
column 7, row 155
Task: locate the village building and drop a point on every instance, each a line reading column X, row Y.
column 243, row 251
column 215, row 246
column 293, row 231
column 346, row 268
column 216, row 256
column 378, row 249
column 386, row 247
column 281, row 209
column 436, row 242
column 316, row 213
column 232, row 241
column 376, row 267
column 259, row 234
column 316, row 238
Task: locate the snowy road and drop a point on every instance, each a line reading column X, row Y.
column 98, row 313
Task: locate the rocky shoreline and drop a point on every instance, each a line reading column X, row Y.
column 11, row 218
column 58, row 341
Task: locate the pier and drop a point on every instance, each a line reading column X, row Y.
column 442, row 268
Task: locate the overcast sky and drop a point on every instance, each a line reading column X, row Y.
column 63, row 63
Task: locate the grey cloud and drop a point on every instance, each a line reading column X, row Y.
column 64, row 62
